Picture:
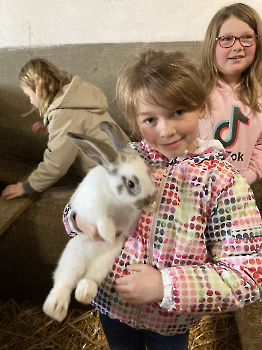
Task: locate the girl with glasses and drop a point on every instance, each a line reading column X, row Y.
column 232, row 72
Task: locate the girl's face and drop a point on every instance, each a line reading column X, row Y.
column 232, row 61
column 169, row 131
column 31, row 94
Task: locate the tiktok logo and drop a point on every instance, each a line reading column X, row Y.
column 237, row 117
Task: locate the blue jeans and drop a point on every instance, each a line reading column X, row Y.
column 123, row 337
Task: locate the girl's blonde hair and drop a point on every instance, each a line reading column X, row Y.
column 249, row 91
column 45, row 79
column 168, row 78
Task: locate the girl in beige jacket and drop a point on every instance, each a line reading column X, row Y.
column 67, row 104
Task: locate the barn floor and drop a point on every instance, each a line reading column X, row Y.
column 24, row 326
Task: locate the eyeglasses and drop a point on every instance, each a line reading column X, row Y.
column 246, row 40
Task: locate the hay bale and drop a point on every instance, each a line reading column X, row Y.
column 249, row 321
column 215, row 332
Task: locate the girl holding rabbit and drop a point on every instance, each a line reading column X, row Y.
column 200, row 251
column 67, row 104
column 232, row 69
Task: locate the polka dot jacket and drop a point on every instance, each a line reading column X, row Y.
column 205, row 238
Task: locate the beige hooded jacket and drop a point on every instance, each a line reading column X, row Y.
column 79, row 109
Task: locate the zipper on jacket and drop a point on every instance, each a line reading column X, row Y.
column 155, row 216
column 152, row 234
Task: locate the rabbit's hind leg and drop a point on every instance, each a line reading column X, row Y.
column 70, row 269
column 86, row 291
column 101, row 265
column 57, row 302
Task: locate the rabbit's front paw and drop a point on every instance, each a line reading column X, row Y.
column 107, row 230
column 57, row 302
column 86, row 290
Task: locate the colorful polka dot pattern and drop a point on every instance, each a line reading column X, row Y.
column 206, row 234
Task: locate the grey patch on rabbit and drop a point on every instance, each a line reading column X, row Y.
column 128, row 156
column 119, row 189
column 113, row 171
column 146, row 202
column 103, row 199
column 135, row 179
column 123, row 158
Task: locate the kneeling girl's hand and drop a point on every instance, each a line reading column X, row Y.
column 40, row 128
column 13, row 191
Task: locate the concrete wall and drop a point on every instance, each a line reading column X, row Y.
column 30, row 23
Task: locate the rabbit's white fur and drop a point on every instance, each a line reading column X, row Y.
column 102, row 198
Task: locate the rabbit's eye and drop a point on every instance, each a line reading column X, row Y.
column 130, row 184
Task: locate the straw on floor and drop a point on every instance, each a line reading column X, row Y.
column 24, row 326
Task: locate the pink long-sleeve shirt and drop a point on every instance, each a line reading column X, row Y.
column 238, row 128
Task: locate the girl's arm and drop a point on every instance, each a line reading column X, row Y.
column 254, row 170
column 59, row 155
column 232, row 275
column 74, row 225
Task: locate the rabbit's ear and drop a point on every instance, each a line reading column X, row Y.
column 118, row 139
column 95, row 149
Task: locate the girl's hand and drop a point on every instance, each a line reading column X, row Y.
column 87, row 228
column 40, row 128
column 13, row 191
column 143, row 287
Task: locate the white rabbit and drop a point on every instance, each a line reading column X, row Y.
column 110, row 196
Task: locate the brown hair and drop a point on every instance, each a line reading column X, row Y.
column 250, row 88
column 168, row 78
column 45, row 79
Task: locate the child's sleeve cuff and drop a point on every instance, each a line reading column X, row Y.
column 69, row 221
column 168, row 300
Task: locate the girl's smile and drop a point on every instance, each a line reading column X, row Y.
column 171, row 145
column 169, row 131
column 175, row 145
